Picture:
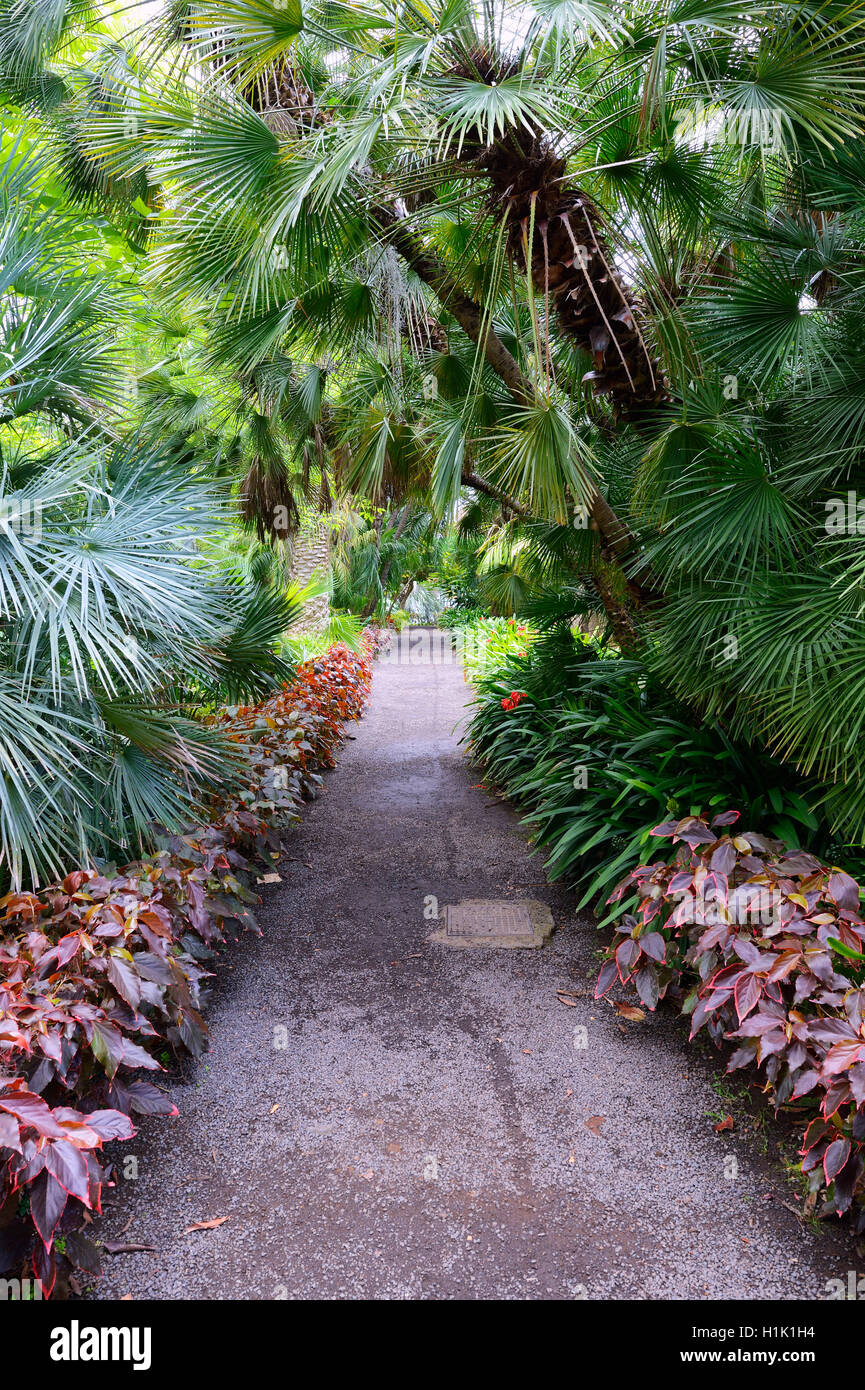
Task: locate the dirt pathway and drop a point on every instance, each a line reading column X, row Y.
column 383, row 1118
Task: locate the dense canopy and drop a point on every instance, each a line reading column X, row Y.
column 563, row 296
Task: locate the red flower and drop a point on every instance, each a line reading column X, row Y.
column 511, row 701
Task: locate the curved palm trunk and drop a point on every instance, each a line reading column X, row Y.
column 619, row 595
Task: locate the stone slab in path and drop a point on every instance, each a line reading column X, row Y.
column 495, row 923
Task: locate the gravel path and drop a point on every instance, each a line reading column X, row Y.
column 383, row 1118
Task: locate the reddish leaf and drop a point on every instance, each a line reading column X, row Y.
column 842, row 1056
column 667, row 828
column 607, row 977
column 125, row 980
column 626, row 955
column 647, row 985
column 817, row 1130
column 844, row 890
column 111, row 1124
column 746, row 994
column 835, row 1157
column 31, row 1110
column 69, row 1167
column 47, row 1204
column 10, row 1137
column 654, row 945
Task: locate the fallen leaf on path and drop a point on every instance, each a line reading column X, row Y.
column 126, row 1298
column 572, row 1158
column 790, row 1207
column 117, row 1247
column 270, row 878
column 273, row 1109
column 565, row 999
column 394, row 1148
column 205, row 1225
column 630, row 1012
column 725, row 1124
column 594, row 1122
column 527, row 1051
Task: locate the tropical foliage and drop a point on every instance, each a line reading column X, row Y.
column 595, row 751
column 556, row 305
column 592, row 271
column 116, row 629
column 485, row 645
column 104, row 974
column 763, row 946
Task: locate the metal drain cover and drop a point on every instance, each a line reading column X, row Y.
column 495, row 922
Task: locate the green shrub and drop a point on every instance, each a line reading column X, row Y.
column 487, row 643
column 460, row 616
column 597, row 753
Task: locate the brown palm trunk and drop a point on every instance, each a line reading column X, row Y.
column 310, row 554
column 618, row 594
column 555, row 232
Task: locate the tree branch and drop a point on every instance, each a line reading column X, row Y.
column 615, row 537
column 480, row 484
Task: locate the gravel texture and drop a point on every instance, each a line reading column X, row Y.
column 380, row 1117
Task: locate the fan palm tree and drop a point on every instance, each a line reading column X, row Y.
column 639, row 312
column 115, row 629
column 454, row 99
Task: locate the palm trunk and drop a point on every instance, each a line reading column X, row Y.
column 310, row 554
column 617, row 593
column 399, row 599
column 555, row 233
